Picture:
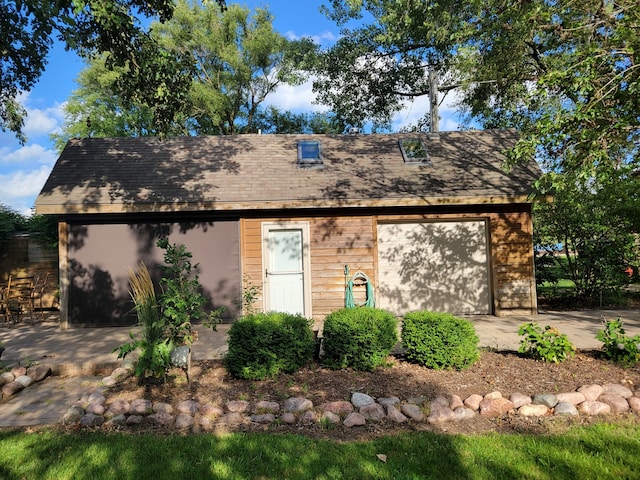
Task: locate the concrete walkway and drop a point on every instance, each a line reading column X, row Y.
column 81, row 357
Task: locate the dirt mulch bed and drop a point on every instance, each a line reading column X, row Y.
column 506, row 372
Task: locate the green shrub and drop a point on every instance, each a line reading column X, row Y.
column 439, row 340
column 360, row 338
column 617, row 346
column 548, row 345
column 263, row 345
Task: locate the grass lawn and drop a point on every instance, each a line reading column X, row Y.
column 599, row 451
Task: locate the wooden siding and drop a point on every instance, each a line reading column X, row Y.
column 336, row 242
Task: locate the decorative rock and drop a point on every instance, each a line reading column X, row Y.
column 91, row 420
column 574, row 398
column 593, row 407
column 97, row 396
column 267, row 407
column 547, row 399
column 519, row 399
column 121, row 373
column 395, row 415
column 134, row 419
column 7, row 377
column 441, row 414
column 308, row 418
column 329, row 416
column 413, row 412
column 25, row 380
column 263, row 418
column 39, row 372
column 288, row 418
column 191, row 407
column 109, row 381
column 233, row 418
column 205, row 423
column 493, row 395
column 440, row 401
column 463, row 413
column 565, row 408
column 161, row 407
column 354, row 419
column 495, row 407
column 617, row 403
column 118, row 406
column 11, row 388
column 117, row 421
column 359, row 400
column 72, row 415
column 385, row 401
column 18, row 371
column 210, row 411
column 373, row 412
column 297, row 404
column 617, row 389
column 239, row 406
column 473, row 401
column 634, row 403
column 455, row 402
column 141, row 406
column 184, row 420
column 533, row 410
column 339, row 408
column 591, row 392
column 162, row 419
column 95, row 408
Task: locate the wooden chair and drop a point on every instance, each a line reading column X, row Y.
column 18, row 298
column 4, row 301
column 39, row 286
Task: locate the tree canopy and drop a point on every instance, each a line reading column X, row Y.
column 90, row 28
column 236, row 60
column 564, row 73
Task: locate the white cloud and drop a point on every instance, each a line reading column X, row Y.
column 295, row 98
column 21, row 187
column 324, row 39
column 31, row 154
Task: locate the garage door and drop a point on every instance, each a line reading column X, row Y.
column 438, row 266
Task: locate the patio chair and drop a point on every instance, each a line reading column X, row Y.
column 18, row 298
column 39, row 286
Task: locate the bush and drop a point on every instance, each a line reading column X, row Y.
column 439, row 340
column 360, row 338
column 263, row 345
column 617, row 346
column 548, row 345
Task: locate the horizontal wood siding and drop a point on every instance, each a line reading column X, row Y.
column 514, row 279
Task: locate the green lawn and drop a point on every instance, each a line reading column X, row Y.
column 599, row 451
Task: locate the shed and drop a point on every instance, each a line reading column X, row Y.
column 432, row 220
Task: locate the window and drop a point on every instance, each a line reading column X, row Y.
column 309, row 153
column 414, row 151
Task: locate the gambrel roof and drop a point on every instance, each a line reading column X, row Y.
column 249, row 172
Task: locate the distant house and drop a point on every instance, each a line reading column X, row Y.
column 431, row 219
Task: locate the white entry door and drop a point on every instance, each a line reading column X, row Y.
column 286, row 266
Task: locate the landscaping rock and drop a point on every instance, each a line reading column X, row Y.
column 455, row 402
column 308, row 417
column 11, row 388
column 339, row 408
column 330, row 417
column 90, row 420
column 617, row 402
column 617, row 389
column 533, row 410
column 385, row 401
column 441, row 414
column 239, row 406
column 18, row 371
column 547, row 399
column 72, row 415
column 264, row 406
column 96, row 409
column 39, row 372
column 134, row 419
column 634, row 403
column 141, row 406
column 354, row 419
column 162, row 419
column 440, row 401
column 593, row 407
column 288, row 418
column 574, row 398
column 297, row 404
column 161, row 407
column 211, row 411
column 184, row 420
column 565, row 408
column 395, row 415
column 117, row 421
column 25, row 380
column 263, row 418
column 463, row 413
column 591, row 392
column 473, row 401
column 413, row 412
column 191, row 407
column 121, row 373
column 519, row 399
column 118, row 406
column 7, row 377
column 359, row 400
column 233, row 418
column 373, row 412
column 495, row 407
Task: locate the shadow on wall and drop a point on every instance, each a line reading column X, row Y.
column 439, row 266
column 101, row 254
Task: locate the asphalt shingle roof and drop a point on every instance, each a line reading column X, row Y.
column 240, row 172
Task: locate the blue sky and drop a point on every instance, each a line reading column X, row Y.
column 25, row 168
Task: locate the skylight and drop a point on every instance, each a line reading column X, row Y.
column 309, row 153
column 414, row 151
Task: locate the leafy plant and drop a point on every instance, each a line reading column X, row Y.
column 548, row 344
column 617, row 346
column 166, row 319
column 439, row 340
column 263, row 345
column 250, row 294
column 360, row 338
